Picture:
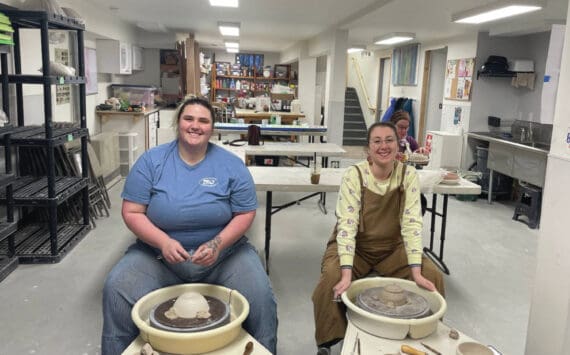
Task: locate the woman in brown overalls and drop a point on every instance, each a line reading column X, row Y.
column 378, row 228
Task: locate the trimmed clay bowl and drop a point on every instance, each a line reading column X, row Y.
column 472, row 348
column 393, row 328
column 190, row 343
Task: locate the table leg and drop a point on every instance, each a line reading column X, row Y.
column 268, row 212
column 490, row 187
column 438, row 259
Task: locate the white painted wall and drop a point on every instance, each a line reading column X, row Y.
column 549, row 321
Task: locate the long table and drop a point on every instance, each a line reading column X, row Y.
column 271, row 130
column 324, row 150
column 296, row 179
column 252, row 116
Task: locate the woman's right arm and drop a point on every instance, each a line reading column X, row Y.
column 134, row 215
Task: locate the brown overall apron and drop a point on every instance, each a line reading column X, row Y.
column 379, row 247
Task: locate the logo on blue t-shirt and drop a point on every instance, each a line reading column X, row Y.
column 209, row 181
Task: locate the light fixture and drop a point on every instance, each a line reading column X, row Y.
column 232, row 50
column 231, row 44
column 395, row 37
column 355, row 49
column 224, row 3
column 495, row 11
column 230, row 29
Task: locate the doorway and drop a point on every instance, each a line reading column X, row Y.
column 383, row 87
column 432, row 92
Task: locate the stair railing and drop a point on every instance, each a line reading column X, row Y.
column 362, row 86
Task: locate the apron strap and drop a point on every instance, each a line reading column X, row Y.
column 360, row 213
column 402, row 191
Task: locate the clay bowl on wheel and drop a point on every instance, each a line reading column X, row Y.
column 190, row 343
column 393, row 328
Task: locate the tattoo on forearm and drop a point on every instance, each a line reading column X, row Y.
column 214, row 244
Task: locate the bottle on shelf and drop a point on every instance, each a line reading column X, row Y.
column 238, row 85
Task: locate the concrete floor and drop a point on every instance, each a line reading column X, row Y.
column 56, row 309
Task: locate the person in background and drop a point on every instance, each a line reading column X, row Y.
column 401, row 119
column 189, row 203
column 378, row 228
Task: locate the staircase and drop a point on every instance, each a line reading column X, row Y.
column 354, row 127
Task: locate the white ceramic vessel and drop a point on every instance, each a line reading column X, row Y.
column 393, row 328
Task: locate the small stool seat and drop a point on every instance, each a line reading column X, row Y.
column 529, row 204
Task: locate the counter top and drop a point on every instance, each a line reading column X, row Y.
column 137, row 113
column 497, row 138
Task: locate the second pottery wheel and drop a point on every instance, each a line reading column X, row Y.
column 394, row 302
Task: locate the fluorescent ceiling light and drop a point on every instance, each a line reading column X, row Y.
column 224, row 3
column 232, row 50
column 232, row 44
column 396, row 37
column 355, row 49
column 495, row 11
column 230, row 29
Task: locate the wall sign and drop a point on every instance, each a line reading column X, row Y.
column 459, row 79
column 62, row 92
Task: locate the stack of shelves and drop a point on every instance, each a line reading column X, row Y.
column 9, row 261
column 226, row 85
column 45, row 242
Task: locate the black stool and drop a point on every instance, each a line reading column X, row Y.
column 529, row 205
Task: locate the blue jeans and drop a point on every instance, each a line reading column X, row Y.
column 139, row 272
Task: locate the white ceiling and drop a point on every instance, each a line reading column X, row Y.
column 273, row 25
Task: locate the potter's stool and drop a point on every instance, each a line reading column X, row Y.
column 529, row 205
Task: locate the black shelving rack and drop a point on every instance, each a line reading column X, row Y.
column 46, row 242
column 9, row 261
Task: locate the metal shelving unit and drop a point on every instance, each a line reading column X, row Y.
column 44, row 242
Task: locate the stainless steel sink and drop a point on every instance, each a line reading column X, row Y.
column 509, row 138
column 538, row 146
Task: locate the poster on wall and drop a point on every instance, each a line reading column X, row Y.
column 459, row 79
column 90, row 71
column 62, row 92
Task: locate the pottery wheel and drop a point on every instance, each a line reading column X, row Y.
column 219, row 315
column 394, row 302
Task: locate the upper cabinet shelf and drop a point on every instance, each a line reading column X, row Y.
column 33, row 19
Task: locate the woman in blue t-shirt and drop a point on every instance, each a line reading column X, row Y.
column 189, row 202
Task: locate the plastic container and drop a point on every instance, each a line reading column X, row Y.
column 135, row 94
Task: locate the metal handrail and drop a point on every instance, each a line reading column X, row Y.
column 362, row 86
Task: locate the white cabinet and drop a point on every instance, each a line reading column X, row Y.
column 114, row 57
column 445, row 149
column 137, row 58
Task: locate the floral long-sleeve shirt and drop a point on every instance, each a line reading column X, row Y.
column 348, row 208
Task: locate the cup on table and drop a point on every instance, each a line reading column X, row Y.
column 315, row 169
column 264, row 122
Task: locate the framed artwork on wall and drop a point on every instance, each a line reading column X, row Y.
column 90, row 71
column 405, row 65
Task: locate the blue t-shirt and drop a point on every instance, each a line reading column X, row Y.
column 192, row 204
